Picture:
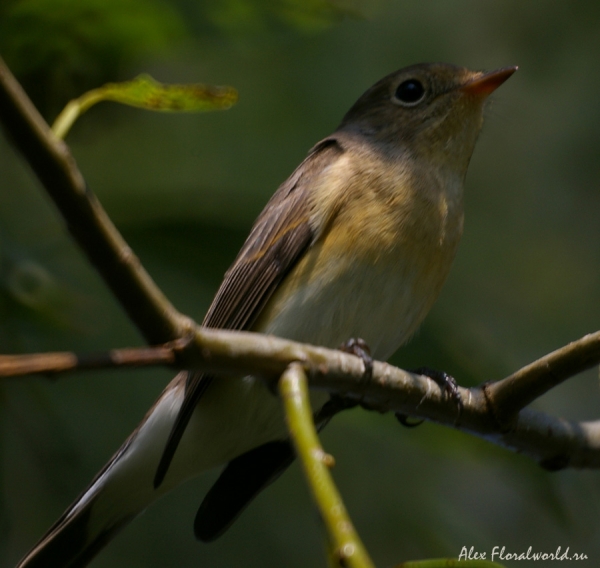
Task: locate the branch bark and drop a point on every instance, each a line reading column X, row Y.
column 508, row 396
column 66, row 361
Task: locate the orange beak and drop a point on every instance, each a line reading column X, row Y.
column 487, row 83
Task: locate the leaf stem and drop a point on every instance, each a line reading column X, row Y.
column 348, row 548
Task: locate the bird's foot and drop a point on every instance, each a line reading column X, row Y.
column 448, row 385
column 446, row 382
column 357, row 346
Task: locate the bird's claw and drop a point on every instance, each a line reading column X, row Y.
column 357, row 346
column 448, row 385
column 446, row 382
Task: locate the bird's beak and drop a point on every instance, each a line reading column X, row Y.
column 485, row 84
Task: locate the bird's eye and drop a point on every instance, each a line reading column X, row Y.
column 410, row 92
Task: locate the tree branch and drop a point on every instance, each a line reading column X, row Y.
column 508, row 396
column 553, row 442
column 64, row 362
column 86, row 220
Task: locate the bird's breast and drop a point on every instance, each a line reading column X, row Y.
column 383, row 251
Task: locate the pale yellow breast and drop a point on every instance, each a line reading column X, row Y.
column 386, row 237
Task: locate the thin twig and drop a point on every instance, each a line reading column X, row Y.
column 64, row 362
column 508, row 396
column 349, row 549
column 88, row 223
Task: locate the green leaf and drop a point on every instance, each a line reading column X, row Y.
column 144, row 92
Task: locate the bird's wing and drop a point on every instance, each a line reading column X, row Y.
column 242, row 480
column 276, row 243
column 246, row 476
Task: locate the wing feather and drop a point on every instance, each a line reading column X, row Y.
column 276, row 242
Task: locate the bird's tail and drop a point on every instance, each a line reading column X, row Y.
column 125, row 486
column 69, row 542
column 118, row 493
column 78, row 535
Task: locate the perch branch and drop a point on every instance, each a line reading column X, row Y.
column 553, row 442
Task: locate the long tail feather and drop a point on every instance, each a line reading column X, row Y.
column 118, row 493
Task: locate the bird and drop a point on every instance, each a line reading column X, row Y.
column 356, row 243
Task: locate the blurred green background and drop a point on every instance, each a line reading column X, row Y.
column 184, row 190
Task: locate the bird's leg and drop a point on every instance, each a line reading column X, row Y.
column 357, row 346
column 446, row 382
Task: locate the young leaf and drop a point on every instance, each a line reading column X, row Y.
column 144, row 92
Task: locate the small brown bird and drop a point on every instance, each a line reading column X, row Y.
column 356, row 243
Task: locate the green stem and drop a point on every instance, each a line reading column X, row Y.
column 73, row 110
column 348, row 548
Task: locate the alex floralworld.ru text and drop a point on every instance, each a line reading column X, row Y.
column 500, row 554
